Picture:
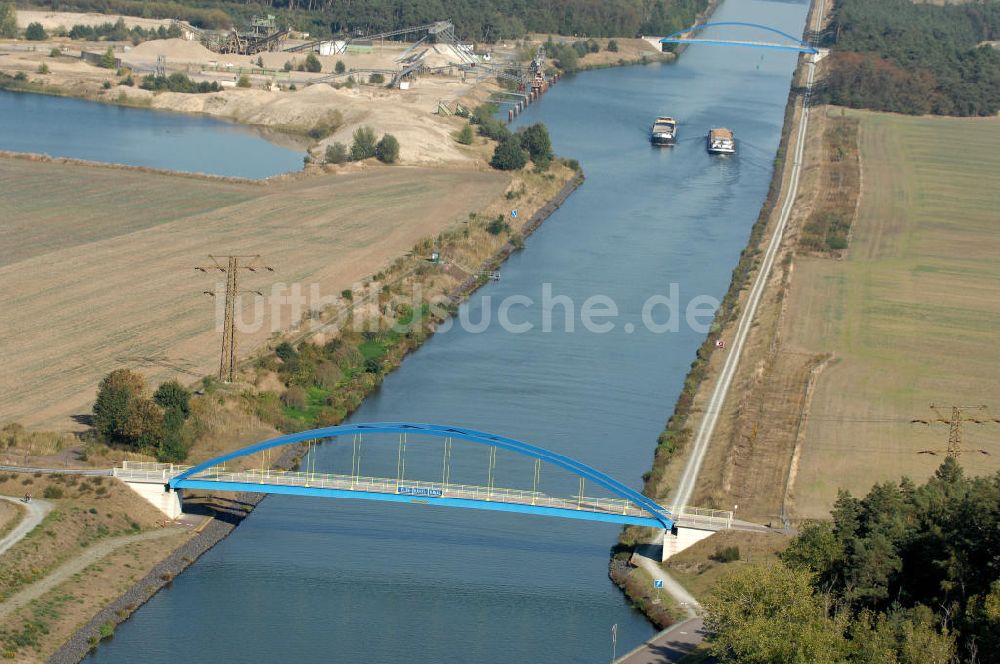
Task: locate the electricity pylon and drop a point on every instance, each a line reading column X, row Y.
column 954, row 421
column 232, row 267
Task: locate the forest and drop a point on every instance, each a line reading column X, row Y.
column 916, row 58
column 477, row 20
column 906, row 574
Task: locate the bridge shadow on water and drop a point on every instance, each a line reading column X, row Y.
column 225, row 509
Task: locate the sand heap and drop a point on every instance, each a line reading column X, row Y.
column 177, row 50
column 442, row 55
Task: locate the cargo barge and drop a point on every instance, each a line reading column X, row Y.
column 664, row 131
column 721, row 141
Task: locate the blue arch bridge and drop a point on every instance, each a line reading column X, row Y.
column 162, row 484
column 690, row 36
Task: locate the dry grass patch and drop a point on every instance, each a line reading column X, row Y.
column 35, row 631
column 699, row 567
column 85, row 511
column 10, row 515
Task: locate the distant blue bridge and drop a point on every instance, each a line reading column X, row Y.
column 627, row 507
column 685, row 37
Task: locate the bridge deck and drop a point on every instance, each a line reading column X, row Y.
column 734, row 42
column 606, row 509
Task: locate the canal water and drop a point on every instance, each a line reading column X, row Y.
column 315, row 580
column 65, row 127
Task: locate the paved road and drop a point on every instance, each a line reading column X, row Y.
column 37, row 509
column 88, row 557
column 680, row 639
column 714, row 407
column 652, row 566
column 669, row 645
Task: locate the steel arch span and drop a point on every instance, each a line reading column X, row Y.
column 798, row 45
column 658, row 516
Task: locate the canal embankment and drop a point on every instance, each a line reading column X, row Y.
column 227, row 515
column 445, row 579
column 686, row 468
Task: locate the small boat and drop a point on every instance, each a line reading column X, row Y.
column 664, row 131
column 721, row 141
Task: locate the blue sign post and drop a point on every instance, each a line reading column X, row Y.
column 513, row 214
column 657, row 583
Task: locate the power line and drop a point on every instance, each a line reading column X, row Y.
column 232, row 267
column 955, row 421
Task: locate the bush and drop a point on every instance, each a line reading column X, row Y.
column 52, row 492
column 55, row 53
column 340, row 67
column 178, row 82
column 497, row 226
column 20, row 76
column 727, row 554
column 387, row 150
column 313, row 64
column 106, row 85
column 612, row 46
column 243, row 82
column 35, row 32
column 337, row 154
column 8, row 20
column 376, row 79
column 347, row 294
column 329, row 124
column 535, row 139
column 484, row 112
column 171, row 395
column 465, row 135
column 364, row 144
column 508, row 156
column 295, row 397
column 123, row 414
column 43, row 68
column 108, row 60
column 495, row 129
column 173, row 445
column 287, row 66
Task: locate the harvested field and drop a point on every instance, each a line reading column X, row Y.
column 98, row 263
column 910, row 316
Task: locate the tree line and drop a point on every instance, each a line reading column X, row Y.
column 906, row 574
column 910, row 57
column 479, row 20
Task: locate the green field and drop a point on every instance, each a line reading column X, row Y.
column 911, row 315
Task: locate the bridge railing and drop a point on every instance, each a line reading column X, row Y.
column 147, row 471
column 701, row 517
column 418, row 489
column 153, row 472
